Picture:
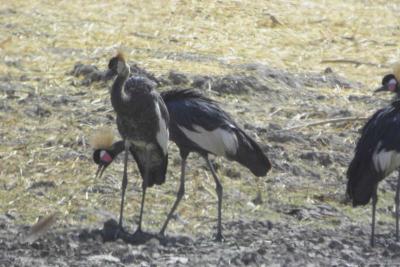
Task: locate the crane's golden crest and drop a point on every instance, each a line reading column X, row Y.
column 396, row 70
column 120, row 56
column 103, row 138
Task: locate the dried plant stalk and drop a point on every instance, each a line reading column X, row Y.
column 347, row 119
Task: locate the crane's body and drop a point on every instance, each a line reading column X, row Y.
column 142, row 121
column 377, row 154
column 198, row 124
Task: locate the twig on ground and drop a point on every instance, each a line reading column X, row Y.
column 336, row 120
column 355, row 62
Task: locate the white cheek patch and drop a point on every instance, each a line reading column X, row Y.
column 163, row 133
column 392, row 85
column 386, row 161
column 219, row 141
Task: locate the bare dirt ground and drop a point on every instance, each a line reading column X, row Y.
column 273, row 66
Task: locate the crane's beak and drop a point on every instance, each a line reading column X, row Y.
column 382, row 88
column 100, row 171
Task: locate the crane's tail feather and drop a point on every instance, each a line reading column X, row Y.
column 250, row 155
column 362, row 180
column 157, row 174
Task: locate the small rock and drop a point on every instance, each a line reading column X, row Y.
column 24, row 78
column 328, row 70
column 38, row 111
column 385, row 254
column 128, row 258
column 236, row 84
column 178, row 78
column 347, row 255
column 258, row 199
column 323, row 158
column 262, row 251
column 334, row 244
column 110, row 230
column 201, row 82
column 62, row 100
column 81, row 69
column 250, row 258
column 290, row 248
column 47, row 184
column 394, row 247
column 233, row 174
column 282, row 137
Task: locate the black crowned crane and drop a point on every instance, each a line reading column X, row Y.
column 377, row 155
column 199, row 125
column 390, row 82
column 142, row 121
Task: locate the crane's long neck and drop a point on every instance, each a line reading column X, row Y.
column 118, row 93
column 117, row 148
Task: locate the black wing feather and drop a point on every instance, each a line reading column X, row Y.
column 381, row 132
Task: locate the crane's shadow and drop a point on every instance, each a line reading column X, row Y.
column 111, row 232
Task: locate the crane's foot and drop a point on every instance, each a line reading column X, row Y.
column 138, row 237
column 161, row 234
column 138, row 231
column 219, row 237
column 372, row 242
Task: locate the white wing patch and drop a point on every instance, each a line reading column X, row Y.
column 386, row 161
column 124, row 69
column 219, row 141
column 163, row 133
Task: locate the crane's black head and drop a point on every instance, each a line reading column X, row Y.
column 103, row 158
column 102, row 143
column 390, row 84
column 118, row 66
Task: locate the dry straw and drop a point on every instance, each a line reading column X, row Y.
column 41, row 44
column 396, row 70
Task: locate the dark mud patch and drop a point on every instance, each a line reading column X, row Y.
column 253, row 77
column 252, row 243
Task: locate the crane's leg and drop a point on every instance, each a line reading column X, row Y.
column 374, row 201
column 144, row 186
column 181, row 192
column 397, row 200
column 123, row 186
column 219, row 190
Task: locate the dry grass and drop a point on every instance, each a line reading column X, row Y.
column 42, row 40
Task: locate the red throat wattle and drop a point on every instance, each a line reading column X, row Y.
column 105, row 157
